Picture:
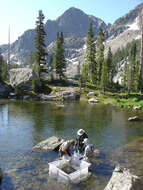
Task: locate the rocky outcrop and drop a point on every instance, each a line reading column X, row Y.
column 49, row 144
column 70, row 95
column 72, row 22
column 22, row 78
column 122, row 179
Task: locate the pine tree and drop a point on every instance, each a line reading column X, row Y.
column 39, row 44
column 136, row 77
column 59, row 59
column 3, row 69
column 100, row 53
column 110, row 68
column 131, row 72
column 31, row 59
column 90, row 56
column 104, row 76
column 62, row 55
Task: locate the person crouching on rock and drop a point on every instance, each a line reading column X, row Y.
column 89, row 149
column 66, row 147
column 81, row 135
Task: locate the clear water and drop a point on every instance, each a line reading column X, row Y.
column 24, row 124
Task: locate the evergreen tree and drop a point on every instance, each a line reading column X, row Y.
column 3, row 69
column 131, row 72
column 59, row 58
column 136, row 77
column 125, row 75
column 100, row 53
column 31, row 59
column 90, row 60
column 104, row 76
column 62, row 54
column 39, row 44
column 110, row 68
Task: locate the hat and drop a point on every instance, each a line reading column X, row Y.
column 80, row 132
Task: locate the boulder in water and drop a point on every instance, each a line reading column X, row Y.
column 122, row 179
column 49, row 144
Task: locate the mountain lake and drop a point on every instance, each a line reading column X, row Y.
column 24, row 124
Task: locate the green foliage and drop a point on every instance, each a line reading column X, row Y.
column 100, row 53
column 34, row 85
column 110, row 68
column 39, row 43
column 3, row 69
column 31, row 59
column 59, row 62
column 89, row 69
column 132, row 58
column 104, row 76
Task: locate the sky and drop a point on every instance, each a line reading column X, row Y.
column 20, row 15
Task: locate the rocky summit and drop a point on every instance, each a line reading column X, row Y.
column 74, row 25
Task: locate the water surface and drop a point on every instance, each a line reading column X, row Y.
column 24, row 124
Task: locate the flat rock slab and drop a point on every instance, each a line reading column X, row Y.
column 49, row 144
column 122, row 179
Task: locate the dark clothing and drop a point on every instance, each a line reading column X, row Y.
column 79, row 143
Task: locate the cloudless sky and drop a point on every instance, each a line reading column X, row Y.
column 21, row 14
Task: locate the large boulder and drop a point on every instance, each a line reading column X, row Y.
column 22, row 78
column 122, row 179
column 49, row 144
column 70, row 95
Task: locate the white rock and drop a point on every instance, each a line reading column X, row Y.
column 122, row 179
column 93, row 101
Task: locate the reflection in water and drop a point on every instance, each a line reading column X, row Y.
column 4, row 114
column 24, row 124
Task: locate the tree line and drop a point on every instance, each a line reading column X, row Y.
column 97, row 69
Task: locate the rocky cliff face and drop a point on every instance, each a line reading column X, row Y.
column 73, row 22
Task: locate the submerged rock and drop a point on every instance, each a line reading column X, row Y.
column 49, row 144
column 122, row 179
